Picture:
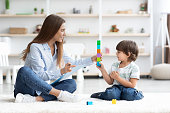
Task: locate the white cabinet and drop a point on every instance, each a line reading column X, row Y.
column 97, row 24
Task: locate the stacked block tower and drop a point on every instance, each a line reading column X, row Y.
column 98, row 52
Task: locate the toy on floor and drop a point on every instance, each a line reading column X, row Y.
column 98, row 53
column 89, row 103
column 113, row 101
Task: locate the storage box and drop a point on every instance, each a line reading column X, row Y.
column 14, row 30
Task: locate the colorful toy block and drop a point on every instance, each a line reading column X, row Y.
column 98, row 46
column 98, row 59
column 98, row 53
column 98, row 64
column 98, row 50
column 113, row 101
column 89, row 103
column 98, row 42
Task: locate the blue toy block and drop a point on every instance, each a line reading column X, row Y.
column 98, row 46
column 98, row 64
column 89, row 103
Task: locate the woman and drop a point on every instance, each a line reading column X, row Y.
column 43, row 61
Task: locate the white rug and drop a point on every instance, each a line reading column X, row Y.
column 152, row 103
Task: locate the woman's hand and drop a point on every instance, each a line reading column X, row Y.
column 67, row 68
column 94, row 58
column 114, row 75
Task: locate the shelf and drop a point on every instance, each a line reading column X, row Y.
column 31, row 16
column 126, row 34
column 18, row 35
column 110, row 55
column 14, row 55
column 126, row 15
column 165, row 46
column 87, row 35
column 78, row 15
column 82, row 35
column 68, row 35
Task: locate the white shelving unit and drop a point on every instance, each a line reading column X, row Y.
column 126, row 35
column 24, row 16
column 126, row 15
column 98, row 23
column 79, row 15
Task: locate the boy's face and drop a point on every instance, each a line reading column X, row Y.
column 121, row 56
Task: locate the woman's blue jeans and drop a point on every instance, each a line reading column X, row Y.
column 119, row 92
column 27, row 82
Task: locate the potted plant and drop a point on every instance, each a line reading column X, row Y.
column 35, row 10
column 42, row 11
column 7, row 7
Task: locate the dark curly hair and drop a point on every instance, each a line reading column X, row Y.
column 128, row 46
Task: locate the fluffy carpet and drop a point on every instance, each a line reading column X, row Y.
column 152, row 103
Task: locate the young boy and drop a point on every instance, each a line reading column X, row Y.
column 123, row 76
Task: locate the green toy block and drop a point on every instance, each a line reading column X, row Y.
column 98, row 42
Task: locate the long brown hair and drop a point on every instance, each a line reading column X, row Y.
column 50, row 27
column 128, row 46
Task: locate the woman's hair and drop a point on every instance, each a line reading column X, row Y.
column 50, row 27
column 128, row 46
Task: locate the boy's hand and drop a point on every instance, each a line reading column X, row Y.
column 114, row 75
column 67, row 68
column 100, row 67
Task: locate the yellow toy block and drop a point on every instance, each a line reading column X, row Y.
column 113, row 101
column 98, row 59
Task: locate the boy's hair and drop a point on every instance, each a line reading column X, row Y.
column 128, row 46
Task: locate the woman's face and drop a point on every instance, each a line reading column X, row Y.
column 59, row 36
